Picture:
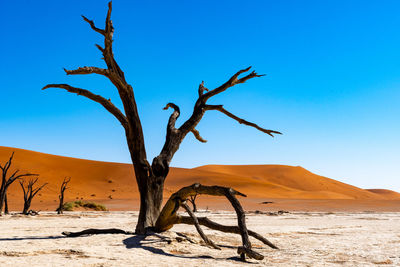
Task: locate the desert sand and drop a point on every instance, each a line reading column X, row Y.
column 304, row 239
column 113, row 184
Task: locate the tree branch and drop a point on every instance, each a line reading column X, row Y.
column 91, row 23
column 174, row 116
column 197, row 135
column 241, row 121
column 35, row 191
column 7, row 165
column 171, row 146
column 224, row 228
column 168, row 216
column 109, row 27
column 97, row 232
column 198, row 228
column 202, row 89
column 12, row 178
column 64, row 184
column 130, row 118
column 88, row 70
column 97, row 98
column 231, row 82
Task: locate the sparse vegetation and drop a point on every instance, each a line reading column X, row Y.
column 69, row 206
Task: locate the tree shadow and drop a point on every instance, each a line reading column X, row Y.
column 139, row 241
column 31, row 238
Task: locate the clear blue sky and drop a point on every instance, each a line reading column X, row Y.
column 332, row 84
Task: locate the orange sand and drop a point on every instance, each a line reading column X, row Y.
column 113, row 184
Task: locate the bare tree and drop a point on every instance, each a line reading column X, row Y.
column 29, row 193
column 192, row 200
column 7, row 181
column 63, row 187
column 150, row 177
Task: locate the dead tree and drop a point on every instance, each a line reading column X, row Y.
column 29, row 193
column 150, row 177
column 63, row 187
column 192, row 200
column 7, row 181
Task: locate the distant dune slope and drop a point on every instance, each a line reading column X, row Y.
column 387, row 194
column 95, row 180
column 296, row 178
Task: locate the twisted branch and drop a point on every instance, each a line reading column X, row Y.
column 174, row 116
column 168, row 216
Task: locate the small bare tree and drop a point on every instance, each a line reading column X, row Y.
column 63, row 187
column 192, row 200
column 7, row 181
column 29, row 193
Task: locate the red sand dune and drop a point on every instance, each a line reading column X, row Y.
column 114, row 184
column 387, row 194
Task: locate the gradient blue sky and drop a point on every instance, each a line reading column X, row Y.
column 332, row 84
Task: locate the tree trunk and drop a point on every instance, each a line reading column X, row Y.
column 2, row 199
column 27, row 205
column 61, row 205
column 151, row 197
column 6, row 205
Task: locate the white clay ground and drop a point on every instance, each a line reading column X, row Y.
column 304, row 239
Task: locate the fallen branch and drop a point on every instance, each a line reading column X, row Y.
column 97, row 232
column 168, row 217
column 198, row 228
column 224, row 228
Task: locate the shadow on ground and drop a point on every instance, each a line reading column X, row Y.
column 139, row 241
column 31, row 238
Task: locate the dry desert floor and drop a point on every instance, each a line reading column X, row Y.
column 304, row 239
